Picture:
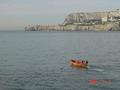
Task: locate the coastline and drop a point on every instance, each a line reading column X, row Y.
column 94, row 21
column 99, row 27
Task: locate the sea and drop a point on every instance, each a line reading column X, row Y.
column 40, row 60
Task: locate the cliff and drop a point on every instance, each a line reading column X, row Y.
column 84, row 21
column 85, row 17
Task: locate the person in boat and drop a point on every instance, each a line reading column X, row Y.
column 86, row 62
column 83, row 62
column 73, row 60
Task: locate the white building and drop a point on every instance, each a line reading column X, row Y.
column 104, row 19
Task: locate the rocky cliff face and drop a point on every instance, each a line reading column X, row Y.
column 91, row 16
column 99, row 27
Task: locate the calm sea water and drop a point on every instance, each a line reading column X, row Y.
column 40, row 60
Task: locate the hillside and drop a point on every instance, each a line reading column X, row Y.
column 84, row 21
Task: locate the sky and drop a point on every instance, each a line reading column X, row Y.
column 16, row 14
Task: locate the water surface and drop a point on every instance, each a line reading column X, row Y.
column 40, row 60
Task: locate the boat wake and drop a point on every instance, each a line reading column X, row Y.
column 95, row 68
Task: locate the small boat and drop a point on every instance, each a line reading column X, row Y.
column 79, row 63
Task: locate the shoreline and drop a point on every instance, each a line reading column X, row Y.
column 83, row 21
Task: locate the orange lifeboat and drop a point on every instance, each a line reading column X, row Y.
column 79, row 63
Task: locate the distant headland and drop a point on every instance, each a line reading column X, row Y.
column 84, row 21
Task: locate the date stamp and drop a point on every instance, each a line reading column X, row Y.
column 99, row 81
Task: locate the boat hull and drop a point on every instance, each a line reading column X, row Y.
column 78, row 64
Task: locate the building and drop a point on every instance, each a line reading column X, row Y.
column 104, row 19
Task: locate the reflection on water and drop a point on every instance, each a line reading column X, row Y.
column 40, row 61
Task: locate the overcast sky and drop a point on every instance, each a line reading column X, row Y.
column 16, row 14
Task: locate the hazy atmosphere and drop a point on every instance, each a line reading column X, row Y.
column 16, row 14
